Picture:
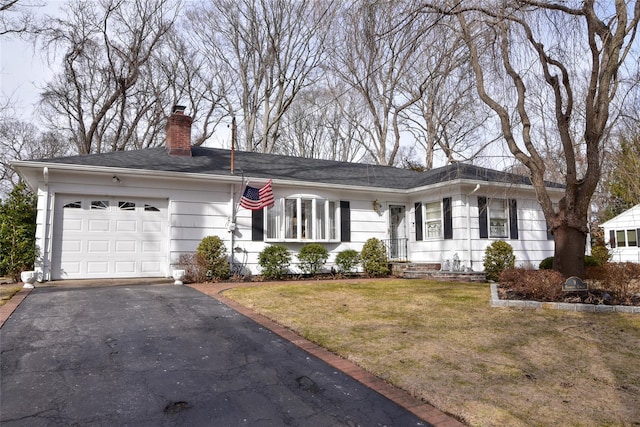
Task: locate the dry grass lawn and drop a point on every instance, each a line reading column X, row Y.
column 7, row 292
column 443, row 343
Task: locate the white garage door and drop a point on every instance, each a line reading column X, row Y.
column 107, row 237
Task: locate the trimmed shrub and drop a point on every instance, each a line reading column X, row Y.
column 546, row 264
column 312, row 257
column 498, row 257
column 589, row 261
column 347, row 261
column 541, row 285
column 274, row 261
column 211, row 257
column 374, row 258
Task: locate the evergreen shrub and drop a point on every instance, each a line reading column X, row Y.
column 312, row 257
column 211, row 257
column 274, row 261
column 347, row 261
column 374, row 258
column 498, row 257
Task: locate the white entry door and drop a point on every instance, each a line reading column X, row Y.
column 397, row 232
column 109, row 237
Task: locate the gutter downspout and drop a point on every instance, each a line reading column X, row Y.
column 469, row 227
column 46, row 239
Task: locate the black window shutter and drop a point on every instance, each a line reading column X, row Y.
column 482, row 217
column 638, row 237
column 418, row 208
column 448, row 218
column 513, row 219
column 345, row 221
column 549, row 233
column 257, row 225
column 612, row 238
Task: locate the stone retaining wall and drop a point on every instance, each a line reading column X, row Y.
column 592, row 308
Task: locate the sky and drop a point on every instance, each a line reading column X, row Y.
column 23, row 71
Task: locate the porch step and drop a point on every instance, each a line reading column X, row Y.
column 431, row 271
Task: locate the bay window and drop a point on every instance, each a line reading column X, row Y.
column 299, row 218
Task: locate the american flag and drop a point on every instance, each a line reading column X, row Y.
column 257, row 198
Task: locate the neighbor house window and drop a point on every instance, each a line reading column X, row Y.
column 620, row 237
column 302, row 219
column 632, row 238
column 433, row 220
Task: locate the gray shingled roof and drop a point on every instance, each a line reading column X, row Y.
column 216, row 161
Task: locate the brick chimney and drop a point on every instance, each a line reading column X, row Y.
column 179, row 132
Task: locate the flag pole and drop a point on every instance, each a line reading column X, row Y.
column 233, row 142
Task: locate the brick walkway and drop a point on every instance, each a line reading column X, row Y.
column 422, row 410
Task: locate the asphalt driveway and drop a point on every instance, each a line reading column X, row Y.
column 155, row 355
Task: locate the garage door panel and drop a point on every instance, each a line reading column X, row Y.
column 151, row 247
column 126, row 225
column 98, row 225
column 102, row 237
column 149, row 267
column 151, row 226
column 128, row 246
column 97, row 267
column 72, row 224
column 125, row 267
column 98, row 246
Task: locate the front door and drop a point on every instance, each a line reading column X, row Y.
column 397, row 231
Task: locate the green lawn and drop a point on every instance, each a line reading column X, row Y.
column 490, row 366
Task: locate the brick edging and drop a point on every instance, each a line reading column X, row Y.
column 422, row 410
column 591, row 308
column 7, row 309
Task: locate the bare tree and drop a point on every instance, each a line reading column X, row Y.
column 448, row 118
column 573, row 52
column 374, row 56
column 107, row 47
column 21, row 140
column 271, row 50
column 17, row 17
column 316, row 126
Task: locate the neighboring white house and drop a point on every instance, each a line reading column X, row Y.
column 133, row 213
column 622, row 234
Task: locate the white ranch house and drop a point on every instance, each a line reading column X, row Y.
column 133, row 213
column 622, row 235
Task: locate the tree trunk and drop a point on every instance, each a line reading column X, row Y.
column 570, row 244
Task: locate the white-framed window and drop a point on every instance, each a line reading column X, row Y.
column 621, row 238
column 302, row 218
column 632, row 238
column 498, row 214
column 433, row 220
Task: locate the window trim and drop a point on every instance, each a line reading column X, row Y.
column 439, row 220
